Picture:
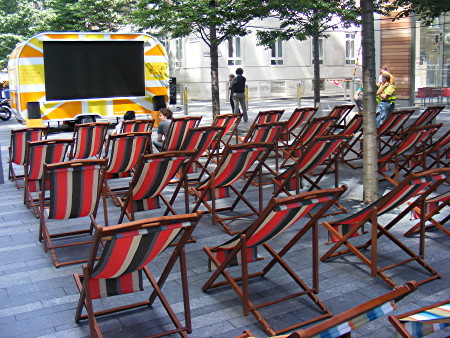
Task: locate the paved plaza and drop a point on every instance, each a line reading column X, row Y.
column 39, row 300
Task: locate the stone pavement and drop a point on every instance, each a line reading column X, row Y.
column 38, row 300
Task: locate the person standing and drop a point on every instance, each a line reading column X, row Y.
column 384, row 70
column 238, row 89
column 358, row 99
column 165, row 117
column 231, row 77
column 385, row 98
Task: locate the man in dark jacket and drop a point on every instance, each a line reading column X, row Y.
column 238, row 88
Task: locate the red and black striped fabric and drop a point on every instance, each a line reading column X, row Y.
column 320, row 149
column 40, row 153
column 125, row 253
column 235, row 163
column 268, row 116
column 408, row 189
column 281, row 216
column 125, row 151
column 89, row 139
column 354, row 126
column 74, row 188
column 431, row 204
column 428, row 115
column 298, row 116
column 341, row 112
column 200, row 139
column 393, row 122
column 265, row 132
column 136, row 126
column 228, row 121
column 178, row 130
column 19, row 141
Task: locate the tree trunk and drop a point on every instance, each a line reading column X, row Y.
column 370, row 149
column 214, row 53
column 316, row 68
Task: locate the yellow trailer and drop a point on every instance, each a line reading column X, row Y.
column 85, row 76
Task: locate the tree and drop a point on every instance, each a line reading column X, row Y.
column 426, row 10
column 214, row 21
column 309, row 19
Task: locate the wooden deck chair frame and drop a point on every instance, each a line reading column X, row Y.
column 415, row 185
column 17, row 149
column 89, row 139
column 152, row 175
column 403, row 152
column 231, row 123
column 341, row 112
column 433, row 206
column 438, row 152
column 343, row 324
column 221, row 180
column 319, row 126
column 423, row 321
column 298, row 117
column 123, row 152
column 38, row 154
column 69, row 183
column 150, row 237
column 177, row 131
column 279, row 215
column 323, row 150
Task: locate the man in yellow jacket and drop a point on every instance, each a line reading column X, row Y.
column 385, row 99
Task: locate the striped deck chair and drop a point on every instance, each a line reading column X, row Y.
column 152, row 175
column 233, row 165
column 341, row 231
column 75, row 189
column 324, row 150
column 201, row 140
column 267, row 116
column 438, row 152
column 177, row 131
column 89, row 139
column 341, row 112
column 17, row 149
column 38, row 154
column 433, row 206
column 123, row 152
column 230, row 122
column 353, row 128
column 295, row 120
column 401, row 154
column 344, row 323
column 316, row 127
column 126, row 251
column 137, row 126
column 278, row 216
column 423, row 321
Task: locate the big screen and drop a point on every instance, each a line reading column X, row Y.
column 93, row 69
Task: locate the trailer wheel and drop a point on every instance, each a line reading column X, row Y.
column 85, row 119
column 5, row 114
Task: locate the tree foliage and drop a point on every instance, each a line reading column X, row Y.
column 426, row 10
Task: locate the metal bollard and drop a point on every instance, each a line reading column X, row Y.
column 246, row 96
column 299, row 94
column 185, row 100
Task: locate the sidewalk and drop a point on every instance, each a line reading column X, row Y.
column 39, row 300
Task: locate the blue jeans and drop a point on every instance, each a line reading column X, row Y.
column 383, row 110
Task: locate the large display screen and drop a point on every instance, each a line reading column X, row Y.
column 93, row 69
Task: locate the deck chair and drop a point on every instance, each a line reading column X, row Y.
column 38, row 154
column 127, row 249
column 343, row 324
column 233, row 165
column 230, row 122
column 423, row 321
column 295, row 120
column 152, row 175
column 324, row 150
column 123, row 152
column 353, row 128
column 137, row 126
column 278, row 216
column 433, row 206
column 341, row 231
column 262, row 117
column 316, row 127
column 89, row 139
column 17, row 149
column 341, row 112
column 75, row 189
column 177, row 131
column 438, row 152
column 403, row 152
column 202, row 140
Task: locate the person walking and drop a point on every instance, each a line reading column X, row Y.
column 238, row 89
column 385, row 98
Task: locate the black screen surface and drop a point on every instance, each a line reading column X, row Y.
column 93, row 69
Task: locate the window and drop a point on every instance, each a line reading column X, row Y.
column 350, row 58
column 234, row 51
column 178, row 52
column 320, row 52
column 276, row 53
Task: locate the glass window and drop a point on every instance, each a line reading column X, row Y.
column 234, row 51
column 178, row 52
column 350, row 58
column 276, row 53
